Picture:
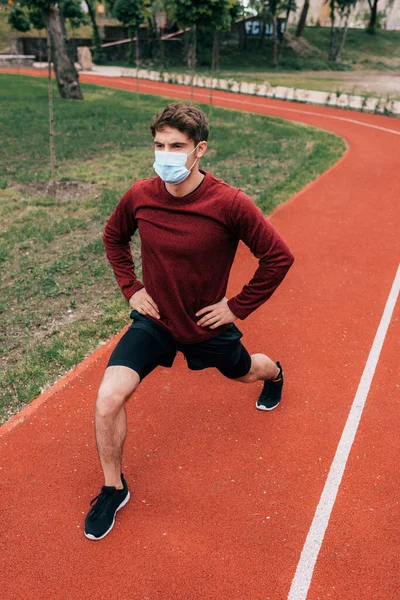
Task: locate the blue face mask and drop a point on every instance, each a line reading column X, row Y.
column 171, row 166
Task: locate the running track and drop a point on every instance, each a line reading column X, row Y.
column 224, row 502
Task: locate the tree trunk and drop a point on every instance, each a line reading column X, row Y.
column 194, row 43
column 243, row 37
column 131, row 47
column 70, row 48
column 137, row 47
column 303, row 19
column 263, row 26
column 137, row 60
column 283, row 40
column 160, row 44
column 66, row 75
column 215, row 52
column 52, row 189
column 332, row 44
column 187, row 47
column 153, row 38
column 274, row 41
column 344, row 34
column 373, row 18
column 98, row 52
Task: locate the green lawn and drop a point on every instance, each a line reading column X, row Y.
column 59, row 298
column 362, row 50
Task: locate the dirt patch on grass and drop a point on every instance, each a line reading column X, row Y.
column 65, row 190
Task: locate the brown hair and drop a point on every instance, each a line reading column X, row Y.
column 184, row 117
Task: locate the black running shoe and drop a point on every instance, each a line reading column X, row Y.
column 100, row 519
column 272, row 392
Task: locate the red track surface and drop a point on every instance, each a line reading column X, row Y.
column 223, row 495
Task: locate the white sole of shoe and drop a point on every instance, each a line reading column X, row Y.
column 92, row 537
column 265, row 408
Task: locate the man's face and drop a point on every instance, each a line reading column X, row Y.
column 170, row 139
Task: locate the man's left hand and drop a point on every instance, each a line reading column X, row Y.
column 216, row 315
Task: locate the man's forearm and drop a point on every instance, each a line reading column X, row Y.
column 265, row 281
column 120, row 258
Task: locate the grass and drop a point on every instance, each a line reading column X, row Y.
column 362, row 50
column 59, row 298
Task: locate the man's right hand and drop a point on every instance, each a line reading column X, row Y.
column 144, row 304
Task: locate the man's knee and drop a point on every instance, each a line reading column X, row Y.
column 115, row 390
column 252, row 374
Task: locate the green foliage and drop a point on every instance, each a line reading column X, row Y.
column 19, row 20
column 203, row 13
column 130, row 12
column 36, row 18
column 72, row 10
column 221, row 13
column 37, row 4
column 30, row 12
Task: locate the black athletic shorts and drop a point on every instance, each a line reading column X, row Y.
column 147, row 344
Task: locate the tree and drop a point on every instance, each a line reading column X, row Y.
column 185, row 13
column 268, row 11
column 98, row 52
column 71, row 10
column 156, row 49
column 216, row 15
column 290, row 6
column 340, row 11
column 66, row 75
column 131, row 14
column 303, row 19
column 373, row 5
column 221, row 14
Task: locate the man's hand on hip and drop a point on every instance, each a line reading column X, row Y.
column 216, row 315
column 144, row 304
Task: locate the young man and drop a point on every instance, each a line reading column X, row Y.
column 190, row 224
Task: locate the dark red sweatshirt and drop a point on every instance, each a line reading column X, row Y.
column 188, row 247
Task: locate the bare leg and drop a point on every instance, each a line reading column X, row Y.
column 262, row 367
column 118, row 384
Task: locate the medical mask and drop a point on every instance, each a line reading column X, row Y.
column 171, row 166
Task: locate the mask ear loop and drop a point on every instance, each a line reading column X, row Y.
column 194, row 163
column 197, row 158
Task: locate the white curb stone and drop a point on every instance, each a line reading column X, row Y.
column 356, row 102
column 371, row 104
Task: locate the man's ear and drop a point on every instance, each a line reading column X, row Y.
column 201, row 149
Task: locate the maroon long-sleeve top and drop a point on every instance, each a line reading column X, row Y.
column 188, row 247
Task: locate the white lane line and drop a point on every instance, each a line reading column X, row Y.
column 305, row 568
column 313, row 113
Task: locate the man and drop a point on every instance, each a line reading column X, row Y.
column 190, row 224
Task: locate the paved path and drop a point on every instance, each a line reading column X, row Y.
column 223, row 496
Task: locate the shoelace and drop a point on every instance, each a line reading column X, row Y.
column 102, row 503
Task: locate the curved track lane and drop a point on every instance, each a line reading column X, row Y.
column 224, row 496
